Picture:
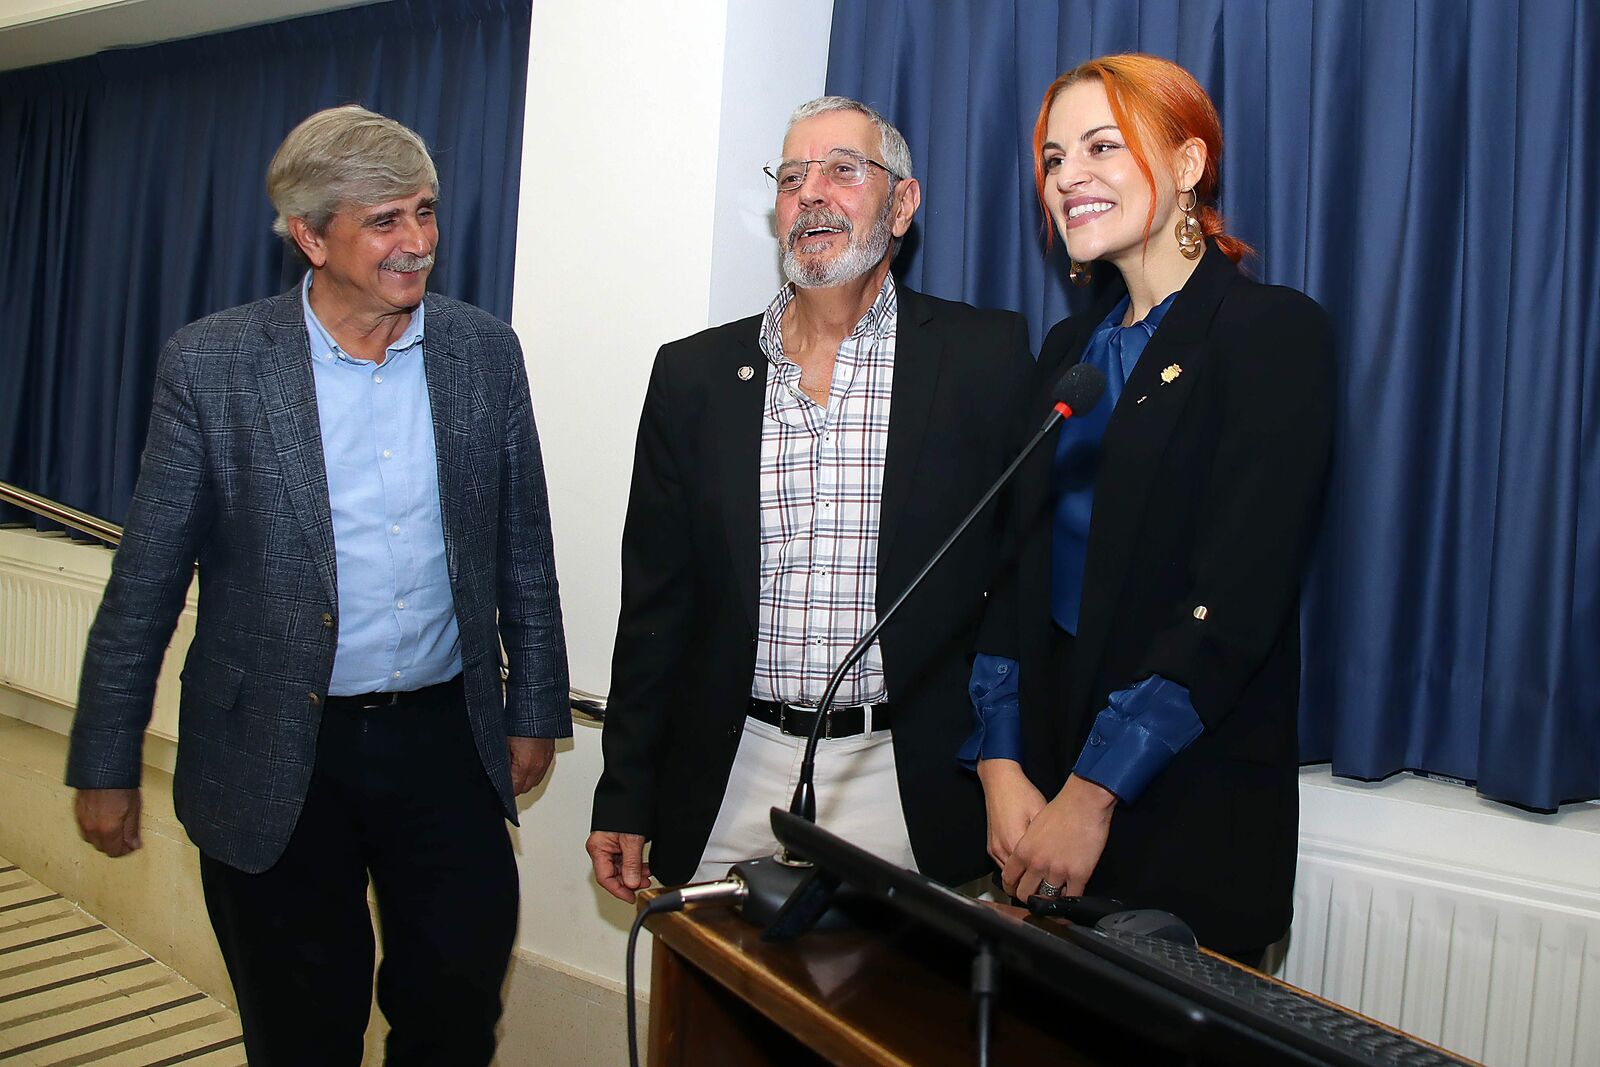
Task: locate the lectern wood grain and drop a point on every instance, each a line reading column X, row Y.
column 721, row 996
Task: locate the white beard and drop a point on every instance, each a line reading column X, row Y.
column 858, row 258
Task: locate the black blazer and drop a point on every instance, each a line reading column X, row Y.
column 1208, row 494
column 685, row 651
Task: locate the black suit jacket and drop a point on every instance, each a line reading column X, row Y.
column 685, row 651
column 1207, row 496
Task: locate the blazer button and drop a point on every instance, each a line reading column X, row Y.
column 327, row 620
column 315, row 700
column 733, row 731
column 1200, row 612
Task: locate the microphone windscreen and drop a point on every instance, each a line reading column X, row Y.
column 1080, row 388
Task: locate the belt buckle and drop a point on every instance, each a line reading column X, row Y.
column 827, row 725
column 783, row 720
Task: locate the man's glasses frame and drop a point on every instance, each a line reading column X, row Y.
column 842, row 167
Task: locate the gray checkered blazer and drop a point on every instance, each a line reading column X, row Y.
column 233, row 476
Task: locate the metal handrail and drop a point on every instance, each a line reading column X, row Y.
column 590, row 707
column 55, row 511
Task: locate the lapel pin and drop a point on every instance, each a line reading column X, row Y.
column 1142, row 399
column 746, row 373
column 1169, row 373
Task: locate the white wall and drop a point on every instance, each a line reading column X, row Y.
column 642, row 219
column 777, row 58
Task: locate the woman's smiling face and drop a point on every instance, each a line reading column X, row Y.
column 1098, row 197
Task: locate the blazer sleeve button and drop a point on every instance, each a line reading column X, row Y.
column 1200, row 612
column 327, row 620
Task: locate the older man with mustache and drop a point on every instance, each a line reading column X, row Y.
column 354, row 466
column 793, row 471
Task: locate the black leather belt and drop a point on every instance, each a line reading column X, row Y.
column 796, row 719
column 452, row 691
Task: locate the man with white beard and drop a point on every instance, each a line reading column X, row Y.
column 793, row 472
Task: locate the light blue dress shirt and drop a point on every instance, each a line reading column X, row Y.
column 397, row 616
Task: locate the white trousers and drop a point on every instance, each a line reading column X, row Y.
column 858, row 797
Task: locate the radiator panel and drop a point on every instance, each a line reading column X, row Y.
column 1499, row 969
column 50, row 589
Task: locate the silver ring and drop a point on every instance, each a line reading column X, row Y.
column 1047, row 890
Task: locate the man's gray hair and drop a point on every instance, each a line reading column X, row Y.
column 896, row 156
column 344, row 155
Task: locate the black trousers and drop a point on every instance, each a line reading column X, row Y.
column 398, row 794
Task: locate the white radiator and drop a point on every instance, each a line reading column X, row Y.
column 50, row 588
column 1468, row 924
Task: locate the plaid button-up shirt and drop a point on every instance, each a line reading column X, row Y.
column 821, row 493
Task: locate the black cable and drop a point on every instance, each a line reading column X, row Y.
column 665, row 902
column 727, row 890
column 985, row 984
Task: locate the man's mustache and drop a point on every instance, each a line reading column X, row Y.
column 406, row 262
column 812, row 219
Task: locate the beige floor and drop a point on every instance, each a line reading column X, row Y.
column 554, row 1016
column 73, row 992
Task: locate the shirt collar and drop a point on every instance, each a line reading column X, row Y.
column 1147, row 324
column 324, row 347
column 878, row 322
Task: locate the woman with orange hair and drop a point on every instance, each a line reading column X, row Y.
column 1142, row 652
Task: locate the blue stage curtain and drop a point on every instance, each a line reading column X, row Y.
column 134, row 190
column 1430, row 172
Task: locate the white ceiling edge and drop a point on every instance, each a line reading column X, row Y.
column 24, row 12
column 46, row 31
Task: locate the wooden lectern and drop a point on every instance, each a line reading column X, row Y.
column 721, row 997
column 897, row 990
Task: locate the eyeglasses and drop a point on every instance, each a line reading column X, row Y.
column 842, row 167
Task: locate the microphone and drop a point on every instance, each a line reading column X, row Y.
column 1075, row 393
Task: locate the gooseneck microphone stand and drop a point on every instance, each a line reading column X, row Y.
column 805, row 894
column 787, row 894
column 1075, row 392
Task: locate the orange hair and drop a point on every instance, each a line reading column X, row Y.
column 1155, row 97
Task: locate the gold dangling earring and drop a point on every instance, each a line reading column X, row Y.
column 1078, row 274
column 1191, row 239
